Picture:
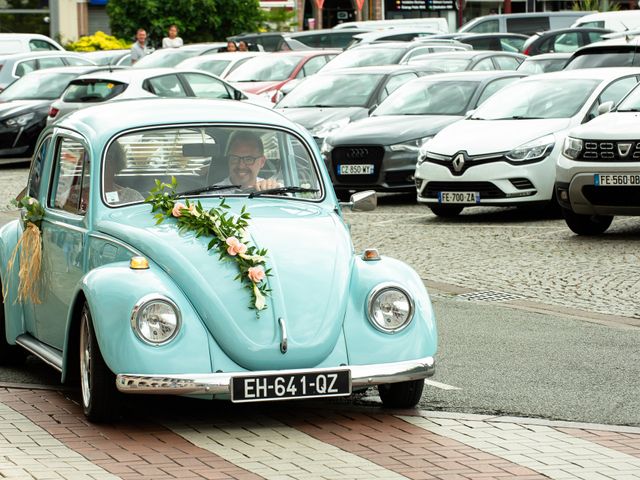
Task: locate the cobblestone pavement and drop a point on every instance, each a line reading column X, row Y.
column 44, row 435
column 12, row 181
column 510, row 251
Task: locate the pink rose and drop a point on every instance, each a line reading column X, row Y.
column 31, row 201
column 177, row 209
column 256, row 274
column 235, row 246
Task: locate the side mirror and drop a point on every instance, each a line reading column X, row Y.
column 372, row 108
column 605, row 108
column 469, row 114
column 362, row 201
column 238, row 95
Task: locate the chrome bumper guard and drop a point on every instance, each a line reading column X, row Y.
column 219, row 383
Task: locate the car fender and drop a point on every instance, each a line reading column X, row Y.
column 367, row 344
column 111, row 293
column 13, row 310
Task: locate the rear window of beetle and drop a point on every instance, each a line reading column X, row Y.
column 93, row 91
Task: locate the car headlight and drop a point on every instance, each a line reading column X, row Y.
column 412, row 146
column 321, row 131
column 20, row 120
column 390, row 308
column 572, row 147
column 155, row 319
column 326, row 147
column 535, row 150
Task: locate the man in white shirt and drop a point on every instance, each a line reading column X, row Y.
column 246, row 159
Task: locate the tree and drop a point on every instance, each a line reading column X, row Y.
column 197, row 20
column 595, row 6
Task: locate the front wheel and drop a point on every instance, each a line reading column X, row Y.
column 402, row 394
column 446, row 211
column 100, row 398
column 586, row 224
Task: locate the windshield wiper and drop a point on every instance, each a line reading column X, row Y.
column 209, row 188
column 519, row 117
column 629, row 110
column 289, row 189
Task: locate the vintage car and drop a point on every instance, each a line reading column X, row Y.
column 233, row 287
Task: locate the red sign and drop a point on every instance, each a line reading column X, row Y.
column 360, row 4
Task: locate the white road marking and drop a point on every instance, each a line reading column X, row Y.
column 442, row 386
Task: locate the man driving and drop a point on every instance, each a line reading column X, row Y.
column 246, row 158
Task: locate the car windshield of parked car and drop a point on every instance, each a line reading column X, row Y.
column 441, row 64
column 37, row 86
column 333, row 90
column 215, row 67
column 547, row 98
column 93, row 91
column 533, row 66
column 365, row 57
column 631, row 103
column 165, row 58
column 269, row 68
column 432, row 98
column 208, row 160
column 602, row 59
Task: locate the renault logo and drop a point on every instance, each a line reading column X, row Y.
column 458, row 162
column 355, row 153
column 623, row 149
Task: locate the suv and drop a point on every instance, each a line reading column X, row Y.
column 598, row 172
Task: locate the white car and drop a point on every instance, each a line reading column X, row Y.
column 598, row 171
column 104, row 86
column 505, row 152
column 26, row 42
column 220, row 64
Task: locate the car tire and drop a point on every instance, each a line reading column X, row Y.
column 100, row 398
column 402, row 394
column 586, row 224
column 9, row 354
column 446, row 211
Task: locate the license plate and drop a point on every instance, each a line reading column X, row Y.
column 616, row 180
column 458, row 197
column 255, row 388
column 358, row 169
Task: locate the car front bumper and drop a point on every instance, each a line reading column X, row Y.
column 220, row 383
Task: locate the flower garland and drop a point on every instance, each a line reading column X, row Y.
column 228, row 232
column 30, row 248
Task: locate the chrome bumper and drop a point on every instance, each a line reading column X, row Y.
column 219, row 383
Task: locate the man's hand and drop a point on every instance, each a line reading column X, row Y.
column 267, row 184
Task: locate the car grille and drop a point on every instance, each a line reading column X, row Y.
column 521, row 183
column 613, row 196
column 610, row 151
column 487, row 190
column 357, row 155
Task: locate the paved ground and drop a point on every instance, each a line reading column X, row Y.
column 44, row 435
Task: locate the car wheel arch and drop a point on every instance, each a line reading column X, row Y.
column 70, row 366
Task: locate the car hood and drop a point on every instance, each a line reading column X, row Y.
column 479, row 137
column 258, row 87
column 313, row 117
column 310, row 257
column 612, row 126
column 390, row 129
column 16, row 107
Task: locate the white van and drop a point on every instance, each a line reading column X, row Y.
column 617, row 21
column 26, row 42
column 525, row 23
column 437, row 24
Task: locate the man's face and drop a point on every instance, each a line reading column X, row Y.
column 242, row 171
column 173, row 32
column 141, row 37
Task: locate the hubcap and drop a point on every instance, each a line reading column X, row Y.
column 85, row 360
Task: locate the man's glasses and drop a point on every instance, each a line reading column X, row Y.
column 247, row 159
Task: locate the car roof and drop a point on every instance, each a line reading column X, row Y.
column 129, row 74
column 394, row 44
column 223, row 56
column 367, row 34
column 322, row 31
column 589, row 73
column 469, row 54
column 40, row 53
column 550, row 56
column 104, row 120
column 479, row 76
column 462, row 36
column 574, row 29
column 25, row 35
column 81, row 69
column 380, row 69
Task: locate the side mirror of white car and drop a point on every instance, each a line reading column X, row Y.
column 362, row 201
column 469, row 114
column 605, row 107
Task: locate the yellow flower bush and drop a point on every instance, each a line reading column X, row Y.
column 97, row 41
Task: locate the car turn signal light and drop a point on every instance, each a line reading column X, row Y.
column 138, row 263
column 370, row 254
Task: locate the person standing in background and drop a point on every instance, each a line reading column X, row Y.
column 172, row 40
column 139, row 49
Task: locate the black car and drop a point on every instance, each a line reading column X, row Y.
column 564, row 40
column 275, row 41
column 24, row 106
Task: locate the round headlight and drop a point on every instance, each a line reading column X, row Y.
column 390, row 308
column 155, row 319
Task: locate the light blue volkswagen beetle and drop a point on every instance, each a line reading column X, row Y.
column 196, row 247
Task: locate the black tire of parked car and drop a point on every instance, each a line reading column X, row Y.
column 446, row 211
column 586, row 224
column 100, row 398
column 9, row 354
column 402, row 394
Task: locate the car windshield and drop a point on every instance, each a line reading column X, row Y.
column 333, row 90
column 432, row 98
column 269, row 68
column 215, row 67
column 601, row 60
column 548, row 98
column 165, row 58
column 442, row 64
column 533, row 66
column 208, row 160
column 37, row 86
column 88, row 91
column 365, row 57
